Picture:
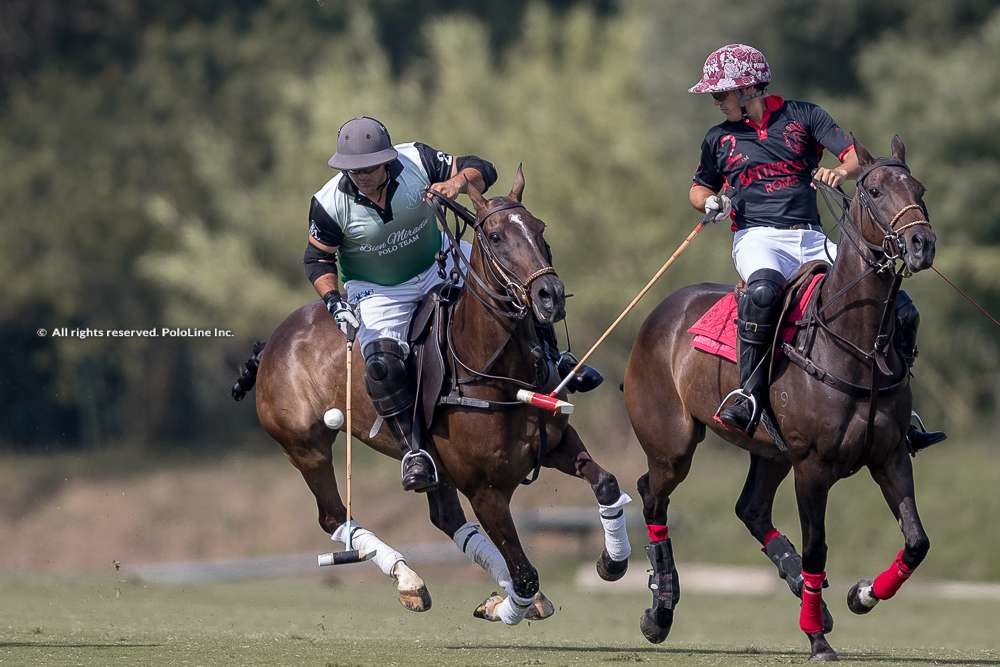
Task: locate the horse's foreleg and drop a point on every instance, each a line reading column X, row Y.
column 896, row 482
column 492, row 507
column 812, row 487
column 314, row 460
column 571, row 457
column 754, row 510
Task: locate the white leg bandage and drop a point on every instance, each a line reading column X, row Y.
column 512, row 610
column 363, row 539
column 615, row 530
column 478, row 548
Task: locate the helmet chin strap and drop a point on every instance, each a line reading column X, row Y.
column 743, row 98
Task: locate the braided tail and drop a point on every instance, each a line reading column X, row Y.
column 248, row 374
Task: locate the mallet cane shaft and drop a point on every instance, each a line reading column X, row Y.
column 550, row 401
column 350, row 554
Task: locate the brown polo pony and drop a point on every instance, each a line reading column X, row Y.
column 826, row 415
column 485, row 454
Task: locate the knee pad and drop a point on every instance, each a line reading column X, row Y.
column 761, row 305
column 386, row 377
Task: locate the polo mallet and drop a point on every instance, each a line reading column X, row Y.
column 551, row 400
column 332, row 420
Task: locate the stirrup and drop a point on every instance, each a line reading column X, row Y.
column 416, row 454
column 739, row 391
column 920, row 422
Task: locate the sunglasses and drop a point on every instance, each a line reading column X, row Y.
column 363, row 172
column 718, row 97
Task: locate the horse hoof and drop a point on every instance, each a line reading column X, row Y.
column 487, row 610
column 827, row 619
column 611, row 570
column 820, row 649
column 860, row 599
column 655, row 624
column 416, row 600
column 541, row 608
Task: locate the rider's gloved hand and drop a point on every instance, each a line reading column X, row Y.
column 718, row 207
column 342, row 312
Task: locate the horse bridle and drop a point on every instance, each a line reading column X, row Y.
column 892, row 247
column 516, row 291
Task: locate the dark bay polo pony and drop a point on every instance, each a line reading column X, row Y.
column 827, row 417
column 484, row 453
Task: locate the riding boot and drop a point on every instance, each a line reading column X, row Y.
column 757, row 312
column 586, row 379
column 387, row 381
column 907, row 322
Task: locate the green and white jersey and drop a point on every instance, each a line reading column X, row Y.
column 383, row 246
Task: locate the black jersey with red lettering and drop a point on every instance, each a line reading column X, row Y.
column 770, row 165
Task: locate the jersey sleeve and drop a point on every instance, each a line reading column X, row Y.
column 436, row 163
column 708, row 173
column 828, row 133
column 322, row 226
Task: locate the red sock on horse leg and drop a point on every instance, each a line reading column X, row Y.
column 811, row 612
column 887, row 583
column 657, row 532
column 771, row 534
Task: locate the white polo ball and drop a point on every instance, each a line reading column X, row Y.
column 333, row 418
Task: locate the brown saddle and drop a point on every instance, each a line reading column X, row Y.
column 428, row 341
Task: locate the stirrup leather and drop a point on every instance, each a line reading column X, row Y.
column 416, row 454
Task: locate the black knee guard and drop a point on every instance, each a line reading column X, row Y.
column 386, row 377
column 760, row 307
column 907, row 322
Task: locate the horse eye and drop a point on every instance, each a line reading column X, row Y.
column 494, row 237
column 875, row 192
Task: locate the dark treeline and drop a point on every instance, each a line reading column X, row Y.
column 159, row 159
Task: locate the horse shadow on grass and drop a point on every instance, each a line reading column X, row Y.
column 4, row 645
column 735, row 652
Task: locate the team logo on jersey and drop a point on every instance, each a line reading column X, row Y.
column 734, row 160
column 444, row 157
column 795, row 137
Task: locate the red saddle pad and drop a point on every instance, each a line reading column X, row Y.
column 715, row 331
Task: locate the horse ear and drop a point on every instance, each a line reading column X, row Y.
column 517, row 189
column 864, row 157
column 477, row 198
column 898, row 148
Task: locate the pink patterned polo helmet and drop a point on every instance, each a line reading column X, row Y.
column 730, row 67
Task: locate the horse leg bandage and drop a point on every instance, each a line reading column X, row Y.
column 663, row 582
column 888, row 582
column 615, row 531
column 657, row 532
column 363, row 540
column 512, row 610
column 481, row 551
column 811, row 611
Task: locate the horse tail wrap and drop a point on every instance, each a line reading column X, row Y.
column 248, row 373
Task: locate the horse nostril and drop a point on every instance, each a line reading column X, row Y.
column 545, row 295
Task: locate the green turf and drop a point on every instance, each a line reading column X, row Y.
column 308, row 621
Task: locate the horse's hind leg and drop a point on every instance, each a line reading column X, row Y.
column 571, row 457
column 313, row 456
column 754, row 510
column 448, row 517
column 896, row 482
column 492, row 507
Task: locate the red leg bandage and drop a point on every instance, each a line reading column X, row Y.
column 656, row 532
column 887, row 583
column 811, row 612
column 771, row 534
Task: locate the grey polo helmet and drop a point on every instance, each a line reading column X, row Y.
column 361, row 143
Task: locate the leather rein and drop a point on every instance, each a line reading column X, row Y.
column 885, row 257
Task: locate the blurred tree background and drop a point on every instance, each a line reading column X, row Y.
column 160, row 157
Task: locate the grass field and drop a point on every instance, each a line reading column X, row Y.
column 315, row 621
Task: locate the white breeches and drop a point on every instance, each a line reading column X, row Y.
column 783, row 250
